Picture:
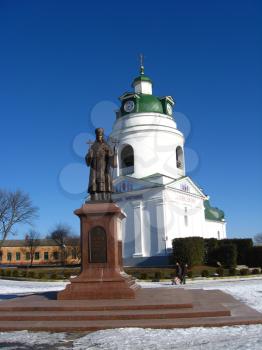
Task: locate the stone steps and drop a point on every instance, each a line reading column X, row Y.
column 152, row 308
column 113, row 314
column 83, row 325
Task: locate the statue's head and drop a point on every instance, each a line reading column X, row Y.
column 99, row 134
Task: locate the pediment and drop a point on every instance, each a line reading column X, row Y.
column 185, row 184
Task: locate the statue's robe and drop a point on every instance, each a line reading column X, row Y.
column 100, row 158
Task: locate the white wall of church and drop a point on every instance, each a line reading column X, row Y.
column 215, row 229
column 184, row 215
column 157, row 216
column 154, row 138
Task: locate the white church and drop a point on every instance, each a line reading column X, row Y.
column 151, row 186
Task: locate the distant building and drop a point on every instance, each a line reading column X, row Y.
column 151, row 185
column 46, row 252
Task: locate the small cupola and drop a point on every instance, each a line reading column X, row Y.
column 142, row 84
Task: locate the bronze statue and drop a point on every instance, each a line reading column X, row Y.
column 101, row 159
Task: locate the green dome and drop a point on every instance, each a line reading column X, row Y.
column 141, row 78
column 149, row 103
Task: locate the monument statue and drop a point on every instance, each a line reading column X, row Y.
column 102, row 275
column 101, row 159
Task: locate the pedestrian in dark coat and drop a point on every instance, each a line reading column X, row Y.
column 178, row 274
column 184, row 273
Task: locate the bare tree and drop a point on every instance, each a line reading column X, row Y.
column 15, row 208
column 60, row 235
column 32, row 242
column 258, row 238
column 74, row 248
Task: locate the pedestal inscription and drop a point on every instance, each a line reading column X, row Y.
column 97, row 245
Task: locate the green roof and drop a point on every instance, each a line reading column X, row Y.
column 212, row 213
column 141, row 78
column 149, row 103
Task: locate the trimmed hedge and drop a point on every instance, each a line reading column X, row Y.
column 15, row 273
column 189, row 250
column 244, row 272
column 211, row 244
column 232, row 272
column 255, row 256
column 205, row 273
column 220, row 272
column 243, row 246
column 226, row 254
column 229, row 252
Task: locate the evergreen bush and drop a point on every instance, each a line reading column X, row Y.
column 255, row 271
column 210, row 245
column 41, row 275
column 243, row 246
column 23, row 273
column 232, row 271
column 255, row 256
column 15, row 273
column 226, row 254
column 220, row 271
column 53, row 276
column 143, row 276
column 157, row 277
column 244, row 272
column 7, row 273
column 205, row 273
column 31, row 274
column 190, row 274
column 67, row 274
column 189, row 250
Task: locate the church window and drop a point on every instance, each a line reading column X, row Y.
column 9, row 256
column 186, row 217
column 127, row 160
column 218, row 234
column 179, row 157
column 18, row 256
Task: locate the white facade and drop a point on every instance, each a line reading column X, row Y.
column 151, row 186
column 159, row 212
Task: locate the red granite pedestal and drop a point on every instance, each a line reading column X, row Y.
column 102, row 275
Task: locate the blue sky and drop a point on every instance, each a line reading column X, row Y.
column 63, row 65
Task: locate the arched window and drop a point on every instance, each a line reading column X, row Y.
column 179, row 157
column 127, row 160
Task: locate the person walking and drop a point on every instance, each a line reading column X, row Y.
column 184, row 274
column 178, row 274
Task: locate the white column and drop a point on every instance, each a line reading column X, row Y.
column 161, row 226
column 138, row 228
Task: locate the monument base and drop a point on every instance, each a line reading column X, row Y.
column 102, row 275
column 101, row 283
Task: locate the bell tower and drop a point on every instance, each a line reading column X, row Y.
column 147, row 134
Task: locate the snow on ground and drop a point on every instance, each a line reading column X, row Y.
column 247, row 290
column 216, row 338
column 8, row 287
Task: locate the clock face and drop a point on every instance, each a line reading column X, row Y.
column 169, row 109
column 129, row 106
